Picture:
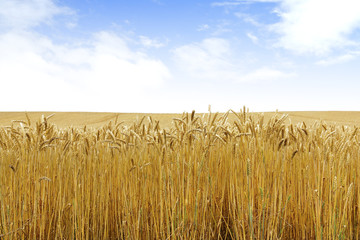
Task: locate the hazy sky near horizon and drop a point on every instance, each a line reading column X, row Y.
column 175, row 56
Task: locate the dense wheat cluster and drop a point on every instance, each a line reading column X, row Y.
column 203, row 178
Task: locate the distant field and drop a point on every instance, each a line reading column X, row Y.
column 91, row 119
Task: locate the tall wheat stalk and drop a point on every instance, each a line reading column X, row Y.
column 203, row 178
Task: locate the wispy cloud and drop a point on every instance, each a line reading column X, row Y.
column 157, row 2
column 222, row 4
column 252, row 37
column 239, row 2
column 148, row 42
column 339, row 59
column 248, row 19
column 212, row 60
column 203, row 27
column 221, row 27
column 265, row 74
column 207, row 60
column 17, row 14
column 317, row 26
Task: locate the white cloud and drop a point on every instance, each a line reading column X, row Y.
column 252, row 37
column 58, row 77
column 101, row 74
column 317, row 26
column 148, row 42
column 203, row 27
column 248, row 19
column 264, row 74
column 239, row 2
column 309, row 26
column 223, row 26
column 157, row 2
column 21, row 14
column 212, row 59
column 207, row 60
column 222, row 4
column 338, row 59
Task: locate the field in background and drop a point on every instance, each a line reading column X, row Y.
column 79, row 119
column 236, row 176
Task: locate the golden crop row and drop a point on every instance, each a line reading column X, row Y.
column 203, row 178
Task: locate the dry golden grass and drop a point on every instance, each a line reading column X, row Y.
column 210, row 177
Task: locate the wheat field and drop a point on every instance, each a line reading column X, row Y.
column 98, row 119
column 215, row 176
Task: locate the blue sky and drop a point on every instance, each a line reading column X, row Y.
column 175, row 56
